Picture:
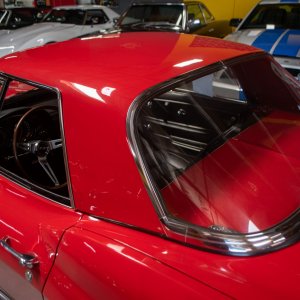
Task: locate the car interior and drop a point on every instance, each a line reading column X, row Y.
column 180, row 127
column 31, row 140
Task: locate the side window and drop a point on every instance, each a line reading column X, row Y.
column 181, row 126
column 207, row 15
column 195, row 14
column 95, row 17
column 4, row 16
column 31, row 143
column 221, row 84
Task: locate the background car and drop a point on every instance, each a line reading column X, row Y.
column 274, row 27
column 148, row 165
column 14, row 18
column 181, row 16
column 61, row 23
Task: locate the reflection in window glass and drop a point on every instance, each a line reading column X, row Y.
column 223, row 149
column 220, row 84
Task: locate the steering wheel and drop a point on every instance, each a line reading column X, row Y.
column 37, row 147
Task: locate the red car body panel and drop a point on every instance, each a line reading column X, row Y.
column 108, row 269
column 33, row 225
column 259, row 277
column 124, row 255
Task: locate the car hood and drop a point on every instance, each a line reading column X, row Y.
column 278, row 42
column 30, row 32
column 35, row 35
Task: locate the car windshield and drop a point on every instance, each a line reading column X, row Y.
column 3, row 17
column 164, row 15
column 66, row 16
column 273, row 16
column 19, row 17
column 223, row 148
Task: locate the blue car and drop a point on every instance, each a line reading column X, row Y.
column 273, row 26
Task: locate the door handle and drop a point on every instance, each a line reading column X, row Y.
column 25, row 260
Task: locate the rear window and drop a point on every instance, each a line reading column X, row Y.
column 222, row 148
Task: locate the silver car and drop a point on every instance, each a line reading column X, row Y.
column 61, row 23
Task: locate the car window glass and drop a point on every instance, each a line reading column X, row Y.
column 208, row 16
column 195, row 14
column 22, row 17
column 154, row 13
column 221, row 84
column 281, row 15
column 66, row 16
column 94, row 17
column 31, row 139
column 204, row 140
column 4, row 15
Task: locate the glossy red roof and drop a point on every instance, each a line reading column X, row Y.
column 98, row 79
column 126, row 62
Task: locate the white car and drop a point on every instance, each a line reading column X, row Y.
column 274, row 26
column 60, row 24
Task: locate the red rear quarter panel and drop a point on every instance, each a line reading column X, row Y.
column 108, row 269
column 121, row 263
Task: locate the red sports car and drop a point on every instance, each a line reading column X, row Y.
column 148, row 166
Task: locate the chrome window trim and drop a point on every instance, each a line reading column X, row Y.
column 17, row 179
column 279, row 236
column 4, row 296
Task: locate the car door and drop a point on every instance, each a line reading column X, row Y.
column 35, row 212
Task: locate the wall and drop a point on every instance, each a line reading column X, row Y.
column 228, row 9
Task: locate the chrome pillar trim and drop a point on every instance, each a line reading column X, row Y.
column 4, row 296
column 228, row 243
column 237, row 244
